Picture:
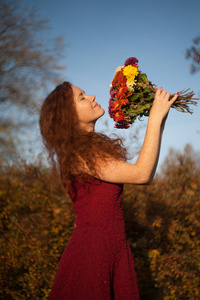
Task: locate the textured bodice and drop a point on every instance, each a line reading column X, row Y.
column 97, row 203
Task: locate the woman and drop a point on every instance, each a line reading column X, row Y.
column 97, row 262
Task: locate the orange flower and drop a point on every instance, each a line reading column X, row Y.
column 119, row 116
column 122, row 90
column 116, row 106
column 124, row 101
column 121, row 78
column 115, row 80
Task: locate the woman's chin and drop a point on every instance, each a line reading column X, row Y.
column 103, row 112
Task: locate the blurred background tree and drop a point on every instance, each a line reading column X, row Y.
column 29, row 62
column 162, row 226
column 193, row 54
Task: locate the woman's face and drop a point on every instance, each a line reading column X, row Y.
column 88, row 110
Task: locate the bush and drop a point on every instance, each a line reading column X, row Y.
column 36, row 224
column 162, row 225
column 163, row 228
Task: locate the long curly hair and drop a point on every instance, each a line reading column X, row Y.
column 69, row 147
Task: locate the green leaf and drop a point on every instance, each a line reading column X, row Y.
column 135, row 97
column 133, row 119
column 146, row 90
column 142, row 77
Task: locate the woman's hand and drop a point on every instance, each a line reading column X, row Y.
column 118, row 171
column 161, row 104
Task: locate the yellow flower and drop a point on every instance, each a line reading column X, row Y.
column 130, row 72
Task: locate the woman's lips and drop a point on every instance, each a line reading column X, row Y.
column 96, row 105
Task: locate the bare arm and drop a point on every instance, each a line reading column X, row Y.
column 142, row 172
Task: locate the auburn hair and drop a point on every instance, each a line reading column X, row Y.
column 70, row 147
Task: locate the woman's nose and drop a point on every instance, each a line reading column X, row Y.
column 92, row 97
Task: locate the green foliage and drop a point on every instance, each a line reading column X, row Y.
column 146, row 90
column 162, row 226
column 134, row 97
column 36, row 224
column 142, row 99
column 142, row 77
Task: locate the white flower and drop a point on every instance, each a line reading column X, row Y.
column 130, row 89
column 133, row 82
column 130, row 85
column 118, row 69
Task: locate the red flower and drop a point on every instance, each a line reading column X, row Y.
column 119, row 116
column 116, row 106
column 115, row 80
column 110, row 107
column 121, row 78
column 122, row 124
column 121, row 91
column 124, row 101
column 131, row 61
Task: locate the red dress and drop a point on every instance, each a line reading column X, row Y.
column 97, row 263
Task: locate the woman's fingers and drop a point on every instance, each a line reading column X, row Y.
column 174, row 98
column 162, row 93
column 162, row 103
column 158, row 91
column 167, row 95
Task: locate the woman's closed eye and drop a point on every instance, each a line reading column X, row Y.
column 82, row 96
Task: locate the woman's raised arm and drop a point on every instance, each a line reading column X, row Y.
column 143, row 171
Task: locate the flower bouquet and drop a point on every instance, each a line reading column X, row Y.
column 132, row 95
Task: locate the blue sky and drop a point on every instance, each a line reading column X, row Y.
column 102, row 34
